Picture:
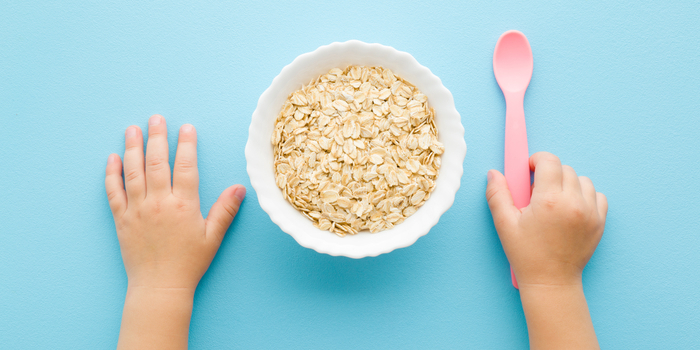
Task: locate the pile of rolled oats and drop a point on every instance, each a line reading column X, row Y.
column 356, row 149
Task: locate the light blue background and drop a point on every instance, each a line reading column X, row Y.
column 615, row 93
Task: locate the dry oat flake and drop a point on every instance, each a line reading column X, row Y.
column 356, row 149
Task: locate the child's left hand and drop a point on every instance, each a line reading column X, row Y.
column 166, row 244
column 165, row 241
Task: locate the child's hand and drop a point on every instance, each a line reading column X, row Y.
column 550, row 241
column 165, row 241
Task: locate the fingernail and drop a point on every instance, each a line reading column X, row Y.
column 130, row 132
column 240, row 193
column 112, row 158
column 155, row 120
column 187, row 128
column 489, row 175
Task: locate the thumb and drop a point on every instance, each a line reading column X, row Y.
column 500, row 202
column 223, row 211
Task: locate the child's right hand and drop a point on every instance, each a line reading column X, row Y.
column 550, row 241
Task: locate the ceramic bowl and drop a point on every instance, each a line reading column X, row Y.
column 308, row 66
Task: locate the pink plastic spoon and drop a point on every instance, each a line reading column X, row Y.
column 512, row 66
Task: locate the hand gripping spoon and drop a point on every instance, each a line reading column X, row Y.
column 512, row 66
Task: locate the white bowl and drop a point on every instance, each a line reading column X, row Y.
column 259, row 153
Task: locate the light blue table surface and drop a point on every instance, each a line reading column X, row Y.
column 615, row 93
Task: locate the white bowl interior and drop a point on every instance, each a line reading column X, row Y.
column 301, row 71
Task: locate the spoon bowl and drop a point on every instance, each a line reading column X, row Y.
column 512, row 61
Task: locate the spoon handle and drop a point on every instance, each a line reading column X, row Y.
column 517, row 159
